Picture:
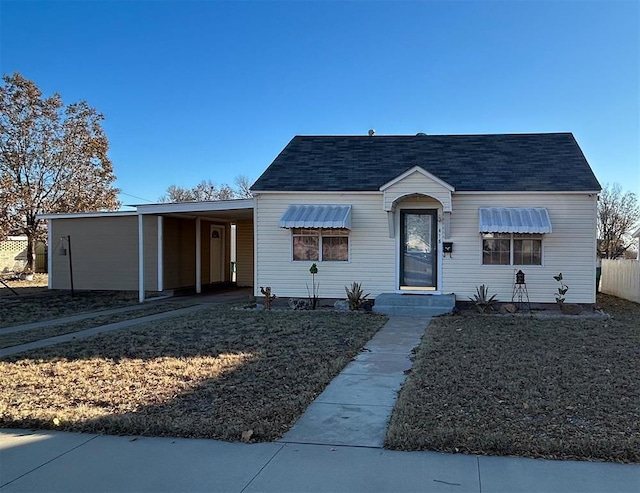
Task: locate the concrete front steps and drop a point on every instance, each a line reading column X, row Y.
column 414, row 305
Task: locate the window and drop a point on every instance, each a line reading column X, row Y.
column 511, row 249
column 496, row 249
column 527, row 250
column 310, row 244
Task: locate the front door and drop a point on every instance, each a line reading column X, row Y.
column 216, row 273
column 418, row 249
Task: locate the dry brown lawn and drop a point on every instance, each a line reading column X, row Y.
column 565, row 388
column 216, row 373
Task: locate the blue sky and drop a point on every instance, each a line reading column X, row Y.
column 211, row 90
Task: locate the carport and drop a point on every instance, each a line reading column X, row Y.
column 156, row 247
column 221, row 243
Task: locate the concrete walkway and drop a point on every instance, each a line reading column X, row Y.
column 356, row 406
column 70, row 319
column 82, row 334
column 204, row 300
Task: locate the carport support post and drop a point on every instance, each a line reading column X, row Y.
column 49, row 254
column 160, row 255
column 70, row 265
column 198, row 255
column 140, row 259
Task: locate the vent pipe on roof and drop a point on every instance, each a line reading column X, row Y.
column 421, row 134
column 372, row 132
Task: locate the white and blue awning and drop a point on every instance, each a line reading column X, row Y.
column 317, row 216
column 514, row 220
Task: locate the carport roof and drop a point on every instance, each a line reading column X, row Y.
column 198, row 208
column 223, row 209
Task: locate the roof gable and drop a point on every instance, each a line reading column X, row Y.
column 417, row 169
column 503, row 162
column 416, row 181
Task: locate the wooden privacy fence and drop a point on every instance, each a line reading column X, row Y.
column 621, row 278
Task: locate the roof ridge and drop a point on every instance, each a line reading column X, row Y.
column 430, row 135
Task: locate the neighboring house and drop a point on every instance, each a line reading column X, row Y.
column 400, row 214
column 13, row 255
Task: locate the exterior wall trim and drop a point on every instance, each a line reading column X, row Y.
column 211, row 206
column 81, row 215
column 316, row 192
column 525, row 192
column 417, row 169
column 439, row 262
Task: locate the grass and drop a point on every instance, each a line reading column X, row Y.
column 216, row 373
column 565, row 388
column 24, row 337
column 36, row 303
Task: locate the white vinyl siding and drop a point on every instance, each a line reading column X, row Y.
column 244, row 253
column 569, row 249
column 371, row 251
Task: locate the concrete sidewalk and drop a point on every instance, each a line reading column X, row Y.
column 69, row 462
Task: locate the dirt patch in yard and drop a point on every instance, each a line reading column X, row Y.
column 553, row 387
column 215, row 373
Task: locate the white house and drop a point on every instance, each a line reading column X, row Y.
column 426, row 215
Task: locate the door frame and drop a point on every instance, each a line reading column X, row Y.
column 220, row 229
column 437, row 235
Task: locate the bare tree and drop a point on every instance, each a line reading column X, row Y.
column 243, row 187
column 618, row 213
column 177, row 194
column 204, row 191
column 53, row 158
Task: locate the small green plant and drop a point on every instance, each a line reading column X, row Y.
column 315, row 288
column 562, row 290
column 268, row 297
column 355, row 296
column 482, row 300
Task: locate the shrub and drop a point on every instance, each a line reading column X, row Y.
column 355, row 296
column 481, row 299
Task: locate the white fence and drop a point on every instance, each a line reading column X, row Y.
column 621, row 278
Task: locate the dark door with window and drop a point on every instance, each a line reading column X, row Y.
column 418, row 248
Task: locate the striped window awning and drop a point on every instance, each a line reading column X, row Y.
column 514, row 220
column 317, row 216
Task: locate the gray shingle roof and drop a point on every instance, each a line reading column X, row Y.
column 501, row 162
